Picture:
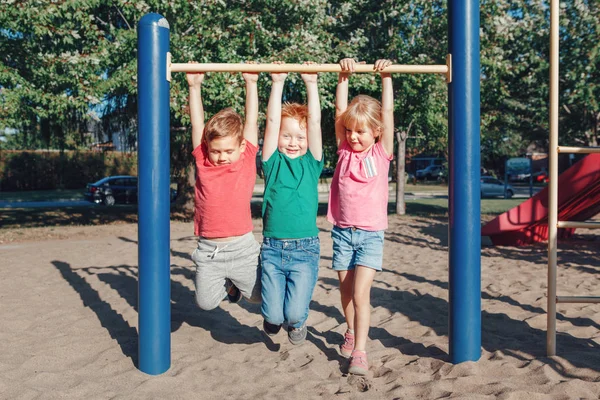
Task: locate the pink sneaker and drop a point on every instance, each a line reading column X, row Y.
column 348, row 346
column 358, row 363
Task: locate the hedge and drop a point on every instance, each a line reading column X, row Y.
column 48, row 170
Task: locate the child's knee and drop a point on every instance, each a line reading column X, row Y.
column 295, row 315
column 206, row 303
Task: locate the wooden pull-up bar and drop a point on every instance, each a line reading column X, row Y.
column 364, row 68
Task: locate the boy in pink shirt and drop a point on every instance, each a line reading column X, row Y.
column 358, row 203
column 227, row 256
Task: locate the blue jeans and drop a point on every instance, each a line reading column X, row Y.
column 290, row 269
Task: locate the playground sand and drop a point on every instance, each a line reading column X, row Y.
column 69, row 325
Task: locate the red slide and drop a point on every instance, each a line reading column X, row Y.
column 578, row 200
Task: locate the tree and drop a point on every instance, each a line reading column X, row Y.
column 408, row 32
column 514, row 86
column 51, row 60
column 262, row 31
column 580, row 73
column 62, row 62
column 401, row 137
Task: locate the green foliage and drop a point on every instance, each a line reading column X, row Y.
column 515, row 46
column 51, row 63
column 580, row 77
column 45, row 170
column 63, row 62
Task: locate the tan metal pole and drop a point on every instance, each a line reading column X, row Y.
column 405, row 69
column 578, row 150
column 553, row 185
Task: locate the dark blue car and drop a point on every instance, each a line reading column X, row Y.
column 116, row 189
column 113, row 189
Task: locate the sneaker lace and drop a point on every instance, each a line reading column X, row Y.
column 348, row 340
column 359, row 358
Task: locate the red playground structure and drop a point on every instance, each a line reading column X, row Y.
column 578, row 200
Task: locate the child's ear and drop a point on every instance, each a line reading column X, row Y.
column 243, row 146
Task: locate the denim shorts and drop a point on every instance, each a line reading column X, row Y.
column 353, row 246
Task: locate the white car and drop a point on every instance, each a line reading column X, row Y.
column 492, row 187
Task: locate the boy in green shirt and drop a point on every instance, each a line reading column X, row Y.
column 292, row 162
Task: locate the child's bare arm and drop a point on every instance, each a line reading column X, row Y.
column 387, row 106
column 251, row 122
column 315, row 141
column 273, row 116
column 196, row 108
column 341, row 98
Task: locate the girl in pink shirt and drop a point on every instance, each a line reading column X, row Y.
column 358, row 203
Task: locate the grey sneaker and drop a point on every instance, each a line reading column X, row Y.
column 297, row 335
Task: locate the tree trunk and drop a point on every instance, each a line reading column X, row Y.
column 400, row 169
column 597, row 129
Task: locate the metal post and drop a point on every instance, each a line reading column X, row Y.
column 553, row 183
column 154, row 296
column 464, row 191
column 531, row 176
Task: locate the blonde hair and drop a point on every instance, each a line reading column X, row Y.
column 363, row 110
column 224, row 123
column 299, row 112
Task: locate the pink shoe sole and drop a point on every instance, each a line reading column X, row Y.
column 358, row 363
column 345, row 352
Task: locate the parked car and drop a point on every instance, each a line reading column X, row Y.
column 492, row 187
column 431, row 172
column 113, row 189
column 519, row 177
column 116, row 189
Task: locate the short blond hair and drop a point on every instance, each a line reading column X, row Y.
column 363, row 110
column 299, row 112
column 224, row 123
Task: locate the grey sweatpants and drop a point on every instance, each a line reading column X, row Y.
column 236, row 260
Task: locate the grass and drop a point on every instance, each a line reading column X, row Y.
column 439, row 207
column 498, row 206
column 410, row 188
column 14, row 218
column 77, row 194
column 42, row 195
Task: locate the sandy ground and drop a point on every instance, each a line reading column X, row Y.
column 69, row 324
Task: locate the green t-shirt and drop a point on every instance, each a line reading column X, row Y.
column 291, row 198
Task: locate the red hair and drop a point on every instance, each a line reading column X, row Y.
column 299, row 112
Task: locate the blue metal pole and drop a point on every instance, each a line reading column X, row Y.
column 154, row 292
column 464, row 190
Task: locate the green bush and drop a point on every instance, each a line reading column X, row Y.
column 48, row 170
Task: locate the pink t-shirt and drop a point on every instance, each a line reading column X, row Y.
column 223, row 194
column 359, row 190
